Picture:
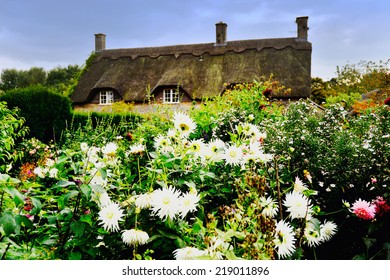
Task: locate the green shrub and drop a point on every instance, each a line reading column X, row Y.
column 99, row 127
column 12, row 131
column 45, row 111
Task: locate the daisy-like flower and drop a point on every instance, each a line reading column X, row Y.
column 250, row 130
column 110, row 216
column 97, row 179
column 328, row 229
column 197, row 147
column 166, row 202
column 183, row 124
column 312, row 234
column 110, row 149
column 284, row 239
column 215, row 150
column 233, row 155
column 162, row 144
column 188, row 203
column 135, row 237
column 92, row 155
column 363, row 209
column 188, row 253
column 298, row 205
column 299, row 186
column 137, row 149
column 143, row 201
column 103, row 199
column 270, row 207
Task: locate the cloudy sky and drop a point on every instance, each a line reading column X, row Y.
column 51, row 33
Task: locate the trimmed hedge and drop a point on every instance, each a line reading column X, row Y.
column 45, row 111
column 89, row 125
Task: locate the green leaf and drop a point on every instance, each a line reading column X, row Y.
column 63, row 200
column 75, row 256
column 78, row 228
column 37, row 205
column 64, row 183
column 87, row 219
column 8, row 223
column 86, row 191
column 369, row 242
column 23, row 220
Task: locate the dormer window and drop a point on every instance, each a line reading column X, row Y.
column 171, row 96
column 106, row 97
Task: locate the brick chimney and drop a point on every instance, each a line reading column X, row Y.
column 100, row 42
column 302, row 28
column 220, row 34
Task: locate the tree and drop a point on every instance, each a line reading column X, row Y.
column 9, row 79
column 12, row 78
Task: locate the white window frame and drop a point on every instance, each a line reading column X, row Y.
column 106, row 97
column 171, row 96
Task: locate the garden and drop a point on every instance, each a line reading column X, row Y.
column 240, row 177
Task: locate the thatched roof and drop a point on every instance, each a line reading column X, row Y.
column 201, row 70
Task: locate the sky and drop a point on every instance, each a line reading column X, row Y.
column 54, row 33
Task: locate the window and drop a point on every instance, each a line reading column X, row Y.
column 171, row 96
column 106, row 97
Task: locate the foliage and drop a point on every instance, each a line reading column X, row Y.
column 342, row 154
column 239, row 177
column 45, row 111
column 59, row 79
column 12, row 131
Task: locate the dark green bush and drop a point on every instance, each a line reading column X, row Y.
column 45, row 111
column 90, row 126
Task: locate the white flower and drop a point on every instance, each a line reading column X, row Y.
column 188, row 253
column 49, row 162
column 40, row 172
column 103, row 199
column 110, row 149
column 188, row 203
column 299, row 186
column 137, row 149
column 312, row 234
column 297, row 205
column 97, row 179
column 215, row 150
column 252, row 132
column 162, row 144
column 183, row 124
column 197, row 147
column 328, row 229
column 264, row 158
column 166, row 202
column 270, row 207
column 143, row 201
column 53, row 172
column 110, row 216
column 84, row 147
column 135, row 237
column 233, row 155
column 284, row 239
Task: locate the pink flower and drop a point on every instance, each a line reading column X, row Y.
column 363, row 209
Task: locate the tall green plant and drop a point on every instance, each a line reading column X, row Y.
column 12, row 131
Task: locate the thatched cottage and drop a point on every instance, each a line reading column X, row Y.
column 180, row 73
